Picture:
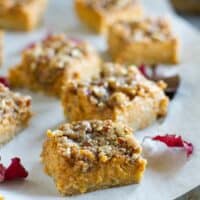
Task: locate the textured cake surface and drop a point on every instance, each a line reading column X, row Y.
column 145, row 30
column 99, row 15
column 15, row 113
column 52, row 62
column 23, row 15
column 92, row 155
column 121, row 93
column 145, row 41
column 107, row 5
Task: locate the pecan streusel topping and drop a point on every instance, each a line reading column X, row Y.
column 110, row 4
column 56, row 51
column 49, row 58
column 13, row 106
column 145, row 30
column 92, row 141
column 117, row 85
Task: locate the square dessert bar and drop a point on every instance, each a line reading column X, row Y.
column 1, row 47
column 15, row 113
column 90, row 155
column 100, row 14
column 21, row 14
column 46, row 65
column 147, row 41
column 121, row 93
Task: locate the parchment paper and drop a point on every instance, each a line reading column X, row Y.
column 183, row 117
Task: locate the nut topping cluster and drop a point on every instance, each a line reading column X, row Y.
column 117, row 85
column 47, row 60
column 110, row 4
column 145, row 30
column 56, row 51
column 12, row 105
column 86, row 142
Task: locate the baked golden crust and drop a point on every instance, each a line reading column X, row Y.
column 121, row 93
column 15, row 113
column 90, row 155
column 99, row 15
column 146, row 41
column 1, row 47
column 47, row 65
column 187, row 6
column 21, row 14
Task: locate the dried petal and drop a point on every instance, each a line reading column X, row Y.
column 162, row 157
column 173, row 82
column 4, row 81
column 2, row 173
column 143, row 70
column 175, row 141
column 14, row 171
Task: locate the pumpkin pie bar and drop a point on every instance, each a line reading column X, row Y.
column 100, row 14
column 15, row 113
column 90, row 155
column 1, row 47
column 147, row 41
column 47, row 65
column 21, row 15
column 121, row 93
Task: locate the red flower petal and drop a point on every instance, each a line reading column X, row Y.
column 4, row 81
column 15, row 170
column 143, row 70
column 173, row 82
column 175, row 141
column 2, row 173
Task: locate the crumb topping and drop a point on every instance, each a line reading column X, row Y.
column 91, row 141
column 56, row 51
column 117, row 85
column 145, row 30
column 110, row 4
column 13, row 106
column 48, row 59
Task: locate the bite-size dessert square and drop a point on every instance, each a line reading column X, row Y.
column 45, row 66
column 15, row 113
column 100, row 14
column 1, row 47
column 21, row 15
column 90, row 155
column 147, row 41
column 121, row 93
